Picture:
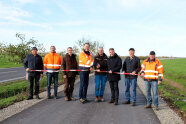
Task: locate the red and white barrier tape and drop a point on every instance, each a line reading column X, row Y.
column 80, row 71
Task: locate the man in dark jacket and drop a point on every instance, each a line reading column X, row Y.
column 131, row 65
column 69, row 62
column 114, row 63
column 33, row 62
column 100, row 64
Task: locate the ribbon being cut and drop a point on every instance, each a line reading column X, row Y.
column 50, row 71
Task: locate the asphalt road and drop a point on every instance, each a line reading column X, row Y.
column 10, row 74
column 73, row 112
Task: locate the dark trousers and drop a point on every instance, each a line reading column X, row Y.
column 49, row 81
column 114, row 90
column 69, row 86
column 33, row 78
column 84, row 81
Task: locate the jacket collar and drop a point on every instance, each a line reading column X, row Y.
column 86, row 52
column 148, row 60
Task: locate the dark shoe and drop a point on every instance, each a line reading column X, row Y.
column 37, row 97
column 30, row 97
column 156, row 108
column 55, row 97
column 49, row 97
column 111, row 101
column 116, row 103
column 126, row 102
column 148, row 106
column 86, row 100
column 133, row 104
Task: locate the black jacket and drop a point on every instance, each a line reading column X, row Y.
column 33, row 62
column 114, row 64
column 69, row 62
column 102, row 60
column 131, row 65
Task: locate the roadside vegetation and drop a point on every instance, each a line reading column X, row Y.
column 173, row 88
column 16, row 91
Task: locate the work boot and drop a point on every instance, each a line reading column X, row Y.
column 55, row 97
column 49, row 96
column 82, row 101
column 37, row 97
column 72, row 98
column 102, row 99
column 111, row 101
column 66, row 98
column 116, row 102
column 126, row 102
column 30, row 97
column 156, row 108
column 148, row 106
column 133, row 104
column 97, row 99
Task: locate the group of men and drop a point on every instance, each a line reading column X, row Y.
column 105, row 69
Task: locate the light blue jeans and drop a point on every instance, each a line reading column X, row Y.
column 100, row 81
column 128, row 83
column 154, row 86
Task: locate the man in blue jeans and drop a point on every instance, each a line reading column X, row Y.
column 100, row 64
column 85, row 64
column 152, row 70
column 52, row 63
column 131, row 65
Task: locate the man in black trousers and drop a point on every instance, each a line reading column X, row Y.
column 33, row 61
column 114, row 63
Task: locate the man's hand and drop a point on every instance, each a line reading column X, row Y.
column 110, row 72
column 98, row 70
column 27, row 69
column 134, row 72
column 159, row 82
column 98, row 66
column 41, row 75
column 65, row 76
column 143, row 74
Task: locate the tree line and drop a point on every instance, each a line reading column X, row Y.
column 17, row 52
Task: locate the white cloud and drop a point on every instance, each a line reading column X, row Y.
column 22, row 2
column 11, row 11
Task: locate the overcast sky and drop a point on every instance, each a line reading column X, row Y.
column 145, row 25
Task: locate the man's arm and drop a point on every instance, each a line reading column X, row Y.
column 25, row 63
column 138, row 66
column 64, row 65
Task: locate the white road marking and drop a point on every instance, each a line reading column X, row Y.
column 7, row 72
column 12, row 79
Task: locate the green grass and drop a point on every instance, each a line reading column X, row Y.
column 6, row 62
column 15, row 91
column 175, row 95
column 175, row 69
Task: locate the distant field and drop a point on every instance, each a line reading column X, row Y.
column 173, row 87
column 6, row 63
column 175, row 69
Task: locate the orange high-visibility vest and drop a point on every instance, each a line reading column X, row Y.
column 152, row 69
column 52, row 61
column 85, row 60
